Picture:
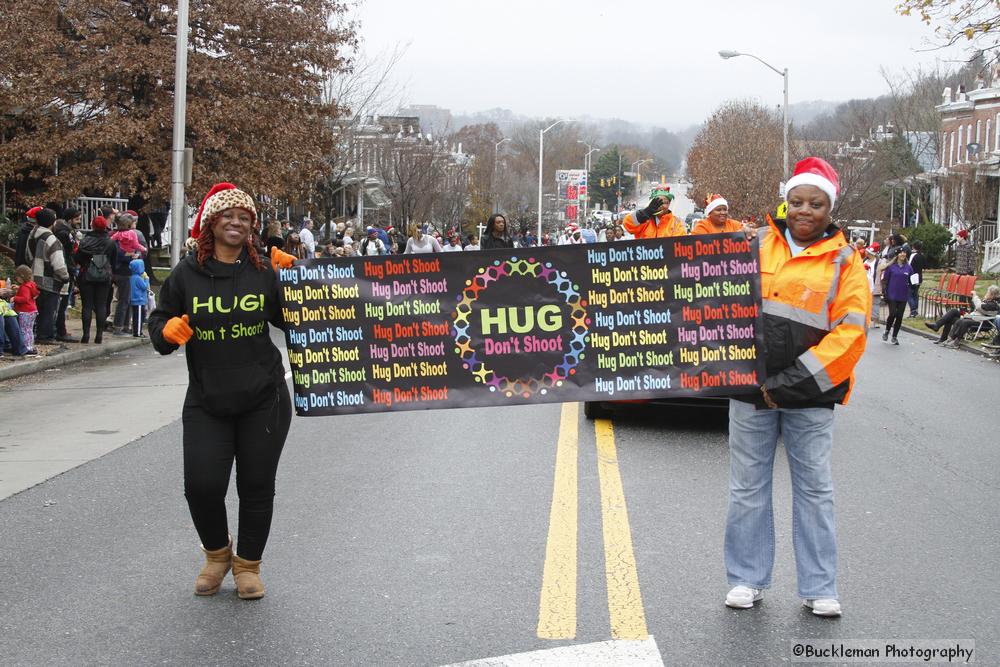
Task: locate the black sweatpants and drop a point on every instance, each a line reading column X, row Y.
column 895, row 320
column 94, row 303
column 254, row 440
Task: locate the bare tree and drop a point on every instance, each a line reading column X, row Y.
column 738, row 154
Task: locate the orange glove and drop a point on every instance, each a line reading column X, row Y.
column 281, row 259
column 177, row 330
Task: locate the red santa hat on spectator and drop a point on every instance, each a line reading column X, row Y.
column 32, row 212
column 815, row 171
column 714, row 202
column 963, row 234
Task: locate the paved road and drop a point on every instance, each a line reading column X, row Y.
column 424, row 538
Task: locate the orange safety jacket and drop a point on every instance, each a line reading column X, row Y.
column 816, row 310
column 706, row 226
column 656, row 227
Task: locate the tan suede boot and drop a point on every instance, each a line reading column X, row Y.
column 217, row 564
column 247, row 576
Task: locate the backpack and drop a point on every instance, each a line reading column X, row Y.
column 99, row 269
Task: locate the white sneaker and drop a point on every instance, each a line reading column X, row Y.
column 743, row 597
column 824, row 606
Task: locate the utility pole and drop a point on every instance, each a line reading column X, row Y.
column 178, row 205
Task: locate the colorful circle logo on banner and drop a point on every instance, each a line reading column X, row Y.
column 474, row 356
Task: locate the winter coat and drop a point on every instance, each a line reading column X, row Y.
column 816, row 309
column 139, row 285
column 24, row 300
column 95, row 243
column 656, row 227
column 48, row 263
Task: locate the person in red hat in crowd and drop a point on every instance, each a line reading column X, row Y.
column 237, row 407
column 816, row 304
column 717, row 220
column 656, row 220
column 27, row 226
column 965, row 254
column 96, row 257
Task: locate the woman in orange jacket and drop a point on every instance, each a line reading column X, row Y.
column 656, row 220
column 816, row 304
column 717, row 220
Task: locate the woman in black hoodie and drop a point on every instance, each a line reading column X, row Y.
column 219, row 302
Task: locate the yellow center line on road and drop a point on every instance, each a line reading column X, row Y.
column 628, row 619
column 557, row 607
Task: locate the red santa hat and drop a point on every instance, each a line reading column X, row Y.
column 219, row 198
column 715, row 201
column 815, row 171
column 963, row 234
column 32, row 212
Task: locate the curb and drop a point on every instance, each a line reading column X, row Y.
column 28, row 367
column 961, row 346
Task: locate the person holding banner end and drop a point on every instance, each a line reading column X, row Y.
column 218, row 301
column 816, row 305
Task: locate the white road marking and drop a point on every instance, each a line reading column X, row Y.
column 618, row 652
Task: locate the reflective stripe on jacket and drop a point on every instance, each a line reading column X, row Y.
column 816, row 311
column 656, row 227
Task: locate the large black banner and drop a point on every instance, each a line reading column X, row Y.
column 608, row 321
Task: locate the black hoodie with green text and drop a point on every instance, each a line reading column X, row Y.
column 233, row 367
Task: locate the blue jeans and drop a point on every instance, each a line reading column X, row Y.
column 749, row 546
column 914, row 300
column 10, row 336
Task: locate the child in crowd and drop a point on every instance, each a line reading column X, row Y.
column 128, row 241
column 139, row 283
column 24, row 305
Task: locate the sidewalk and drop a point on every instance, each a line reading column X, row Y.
column 60, row 354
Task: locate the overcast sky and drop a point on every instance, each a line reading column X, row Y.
column 650, row 62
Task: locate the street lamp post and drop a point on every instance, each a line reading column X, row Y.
column 178, row 206
column 541, row 152
column 586, row 167
column 635, row 170
column 784, row 75
column 496, row 153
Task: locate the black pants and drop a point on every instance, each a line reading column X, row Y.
column 94, row 301
column 965, row 325
column 45, row 325
column 895, row 319
column 138, row 318
column 211, row 444
column 947, row 321
column 61, row 310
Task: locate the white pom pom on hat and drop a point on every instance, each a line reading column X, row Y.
column 815, row 171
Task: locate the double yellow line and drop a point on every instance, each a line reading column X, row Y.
column 557, row 606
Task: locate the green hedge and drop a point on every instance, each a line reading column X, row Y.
column 935, row 239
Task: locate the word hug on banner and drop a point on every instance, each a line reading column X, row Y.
column 635, row 320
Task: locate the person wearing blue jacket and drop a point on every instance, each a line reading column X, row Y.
column 139, row 283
